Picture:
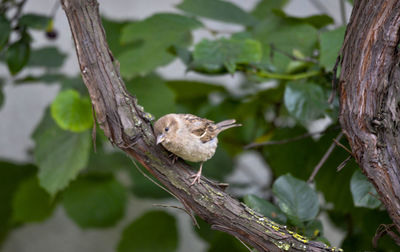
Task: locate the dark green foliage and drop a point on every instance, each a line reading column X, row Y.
column 11, row 177
column 96, row 201
column 49, row 57
column 265, row 208
column 155, row 231
column 34, row 21
column 5, row 28
column 219, row 10
column 17, row 55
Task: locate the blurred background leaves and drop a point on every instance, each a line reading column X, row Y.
column 285, row 67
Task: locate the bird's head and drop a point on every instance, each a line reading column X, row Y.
column 165, row 128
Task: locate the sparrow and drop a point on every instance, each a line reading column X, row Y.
column 190, row 137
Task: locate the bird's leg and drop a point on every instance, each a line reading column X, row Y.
column 173, row 157
column 197, row 176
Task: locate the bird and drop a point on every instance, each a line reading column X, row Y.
column 190, row 137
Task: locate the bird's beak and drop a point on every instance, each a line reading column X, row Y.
column 160, row 138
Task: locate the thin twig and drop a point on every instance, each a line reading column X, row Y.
column 343, row 164
column 18, row 12
column 343, row 11
column 324, row 158
column 94, row 130
column 152, row 180
column 169, row 206
column 285, row 141
column 187, row 210
column 344, row 147
column 334, row 80
column 228, row 230
column 244, row 244
column 382, row 229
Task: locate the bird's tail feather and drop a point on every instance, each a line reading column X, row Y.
column 227, row 124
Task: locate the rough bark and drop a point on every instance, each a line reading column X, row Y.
column 370, row 95
column 127, row 126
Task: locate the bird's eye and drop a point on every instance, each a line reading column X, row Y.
column 166, row 129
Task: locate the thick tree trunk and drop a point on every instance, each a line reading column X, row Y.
column 370, row 96
column 127, row 126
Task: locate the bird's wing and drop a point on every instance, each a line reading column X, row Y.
column 203, row 128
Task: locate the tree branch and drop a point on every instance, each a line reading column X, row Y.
column 127, row 126
column 370, row 96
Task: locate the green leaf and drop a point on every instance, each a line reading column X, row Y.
column 296, row 198
column 162, row 236
column 60, row 154
column 313, row 229
column 17, row 56
column 35, row 21
column 152, row 88
column 286, row 38
column 265, row 208
column 151, row 40
column 95, row 201
column 143, row 60
column 5, row 28
column 71, row 112
column 265, row 7
column 49, row 57
column 11, row 176
column 189, row 91
column 364, row 193
column 218, row 10
column 318, row 21
column 47, row 78
column 106, row 162
column 161, row 28
column 213, row 56
column 31, row 203
column 330, row 43
column 305, row 101
column 113, row 31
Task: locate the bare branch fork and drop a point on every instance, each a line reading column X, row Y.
column 126, row 125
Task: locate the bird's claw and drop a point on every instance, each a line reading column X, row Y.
column 173, row 157
column 196, row 177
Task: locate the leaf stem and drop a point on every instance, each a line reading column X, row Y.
column 325, row 157
column 278, row 76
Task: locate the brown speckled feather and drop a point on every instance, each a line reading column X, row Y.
column 207, row 129
column 203, row 128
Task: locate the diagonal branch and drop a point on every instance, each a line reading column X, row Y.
column 127, row 126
